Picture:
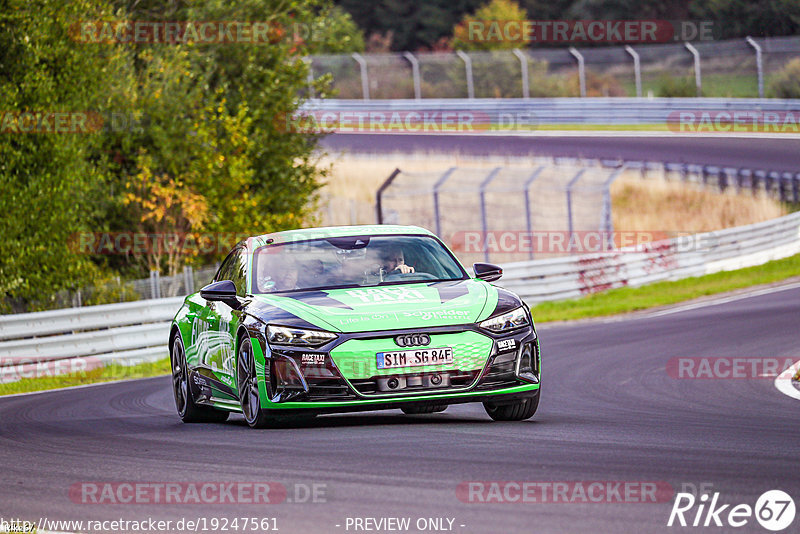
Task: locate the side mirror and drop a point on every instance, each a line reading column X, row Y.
column 222, row 291
column 487, row 271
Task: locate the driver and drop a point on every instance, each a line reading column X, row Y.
column 393, row 261
column 278, row 274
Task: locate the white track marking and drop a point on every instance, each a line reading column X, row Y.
column 723, row 300
column 76, row 387
column 783, row 382
column 591, row 133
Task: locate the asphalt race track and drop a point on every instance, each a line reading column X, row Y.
column 752, row 152
column 610, row 412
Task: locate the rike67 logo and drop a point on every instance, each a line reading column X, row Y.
column 774, row 510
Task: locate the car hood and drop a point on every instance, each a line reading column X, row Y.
column 390, row 307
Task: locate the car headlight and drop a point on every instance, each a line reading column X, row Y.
column 506, row 322
column 300, row 337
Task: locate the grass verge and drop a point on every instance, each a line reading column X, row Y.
column 629, row 299
column 108, row 373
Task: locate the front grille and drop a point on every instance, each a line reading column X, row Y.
column 458, row 380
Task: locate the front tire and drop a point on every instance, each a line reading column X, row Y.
column 516, row 411
column 247, row 380
column 188, row 411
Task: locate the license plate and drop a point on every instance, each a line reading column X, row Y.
column 415, row 358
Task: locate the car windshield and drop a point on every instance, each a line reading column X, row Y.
column 353, row 261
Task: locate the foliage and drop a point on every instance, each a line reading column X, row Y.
column 673, row 86
column 201, row 148
column 474, row 31
column 786, row 84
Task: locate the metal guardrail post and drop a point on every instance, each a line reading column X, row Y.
column 362, row 63
column 468, row 67
column 608, row 223
column 442, row 179
column 188, row 279
column 155, row 285
column 484, row 225
column 637, row 69
column 759, row 65
column 309, row 76
column 415, row 73
column 698, row 77
column 379, row 195
column 528, row 218
column 523, row 65
column 570, row 185
column 581, row 69
column 796, row 188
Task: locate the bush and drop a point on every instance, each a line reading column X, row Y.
column 669, row 86
column 786, row 83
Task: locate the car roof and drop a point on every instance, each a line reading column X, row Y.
column 335, row 231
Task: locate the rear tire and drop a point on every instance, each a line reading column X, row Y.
column 416, row 410
column 247, row 380
column 516, row 411
column 188, row 411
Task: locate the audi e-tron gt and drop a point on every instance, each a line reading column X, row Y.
column 356, row 318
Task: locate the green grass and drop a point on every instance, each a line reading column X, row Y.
column 103, row 374
column 628, row 299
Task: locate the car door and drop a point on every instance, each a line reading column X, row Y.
column 213, row 337
column 223, row 322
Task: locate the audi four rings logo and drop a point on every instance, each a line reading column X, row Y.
column 412, row 340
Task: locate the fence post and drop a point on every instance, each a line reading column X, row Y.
column 188, row 279
column 608, row 222
column 759, row 65
column 528, row 220
column 155, row 285
column 442, row 179
column 637, row 69
column 309, row 77
column 362, row 63
column 581, row 69
column 484, row 225
column 698, row 77
column 570, row 222
column 468, row 66
column 523, row 64
column 379, row 194
column 415, row 73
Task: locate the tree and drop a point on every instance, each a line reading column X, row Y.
column 484, row 29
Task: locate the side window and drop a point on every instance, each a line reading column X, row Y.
column 225, row 269
column 239, row 272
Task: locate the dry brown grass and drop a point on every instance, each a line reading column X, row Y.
column 651, row 204
column 655, row 204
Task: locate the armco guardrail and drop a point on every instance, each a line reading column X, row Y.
column 682, row 257
column 36, row 344
column 137, row 331
column 509, row 114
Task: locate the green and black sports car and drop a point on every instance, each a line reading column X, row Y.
column 347, row 319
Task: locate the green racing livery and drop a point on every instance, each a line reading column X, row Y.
column 356, row 318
